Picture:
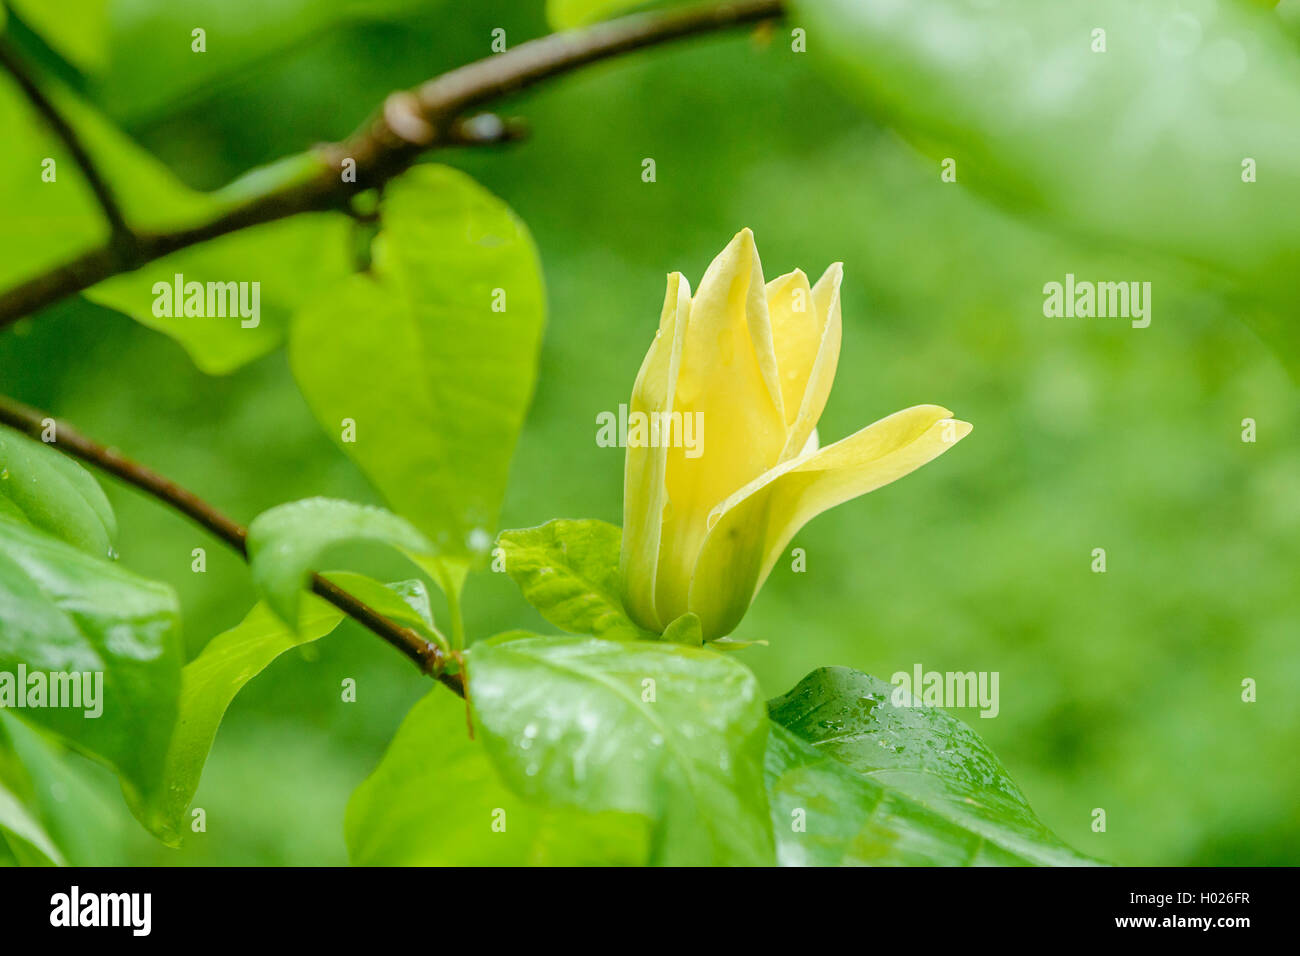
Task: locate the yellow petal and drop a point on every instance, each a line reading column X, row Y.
column 752, row 528
column 644, row 490
column 821, row 374
column 728, row 375
column 796, row 335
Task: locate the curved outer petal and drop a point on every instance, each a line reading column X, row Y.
column 821, row 375
column 644, row 491
column 796, row 335
column 753, row 527
column 728, row 375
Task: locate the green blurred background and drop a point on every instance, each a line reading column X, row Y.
column 1119, row 690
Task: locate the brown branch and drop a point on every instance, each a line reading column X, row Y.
column 408, row 124
column 121, row 240
column 428, row 657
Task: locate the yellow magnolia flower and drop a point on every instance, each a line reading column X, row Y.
column 751, row 366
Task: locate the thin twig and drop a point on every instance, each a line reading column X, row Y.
column 122, row 239
column 408, row 124
column 427, row 656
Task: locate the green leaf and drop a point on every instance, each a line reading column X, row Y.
column 20, row 828
column 436, row 800
column 50, row 222
column 670, row 732
column 50, row 491
column 436, row 383
column 1140, row 145
column 231, row 659
column 728, row 643
column 47, row 222
column 63, row 792
column 281, row 265
column 882, row 784
column 566, row 14
column 286, row 542
column 154, row 68
column 568, row 570
column 76, row 29
column 208, row 684
column 825, row 814
column 688, row 630
column 64, row 611
column 406, row 602
column 27, row 839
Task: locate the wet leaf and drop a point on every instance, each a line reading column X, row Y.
column 673, row 733
column 856, row 779
column 437, row 800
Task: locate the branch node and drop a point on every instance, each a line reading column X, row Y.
column 382, row 148
column 405, row 119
